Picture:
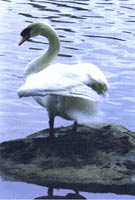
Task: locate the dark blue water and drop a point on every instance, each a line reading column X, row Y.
column 97, row 31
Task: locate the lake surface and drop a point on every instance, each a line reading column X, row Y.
column 97, row 31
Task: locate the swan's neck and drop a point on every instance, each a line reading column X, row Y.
column 40, row 63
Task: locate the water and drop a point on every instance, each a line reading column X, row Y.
column 97, row 31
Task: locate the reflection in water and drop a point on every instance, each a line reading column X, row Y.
column 75, row 195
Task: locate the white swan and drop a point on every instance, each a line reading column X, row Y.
column 69, row 91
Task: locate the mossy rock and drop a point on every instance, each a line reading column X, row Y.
column 93, row 159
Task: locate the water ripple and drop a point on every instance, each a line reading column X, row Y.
column 100, row 32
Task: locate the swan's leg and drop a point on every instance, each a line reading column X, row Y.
column 74, row 128
column 51, row 125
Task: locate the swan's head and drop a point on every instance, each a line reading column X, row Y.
column 33, row 30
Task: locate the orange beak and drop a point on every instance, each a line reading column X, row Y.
column 26, row 37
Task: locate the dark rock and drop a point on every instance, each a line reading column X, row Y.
column 93, row 159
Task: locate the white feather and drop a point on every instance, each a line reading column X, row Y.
column 70, row 91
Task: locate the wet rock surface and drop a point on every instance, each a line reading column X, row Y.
column 93, row 159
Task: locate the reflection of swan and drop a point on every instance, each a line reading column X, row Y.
column 75, row 195
column 69, row 91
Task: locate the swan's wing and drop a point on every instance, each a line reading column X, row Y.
column 58, row 85
column 75, row 90
column 86, row 82
column 86, row 73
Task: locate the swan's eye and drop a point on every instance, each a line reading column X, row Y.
column 26, row 32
